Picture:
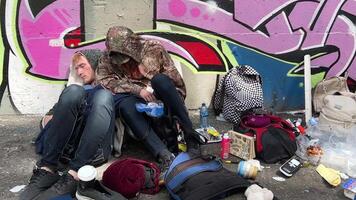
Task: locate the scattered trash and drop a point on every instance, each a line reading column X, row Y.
column 278, row 178
column 221, row 118
column 255, row 192
column 17, row 188
column 247, row 170
column 330, row 175
column 344, row 176
column 350, row 188
column 255, row 163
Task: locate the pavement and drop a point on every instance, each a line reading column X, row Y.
column 18, row 158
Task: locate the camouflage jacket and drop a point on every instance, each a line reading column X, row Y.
column 154, row 58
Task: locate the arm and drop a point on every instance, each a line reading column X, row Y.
column 114, row 79
column 157, row 60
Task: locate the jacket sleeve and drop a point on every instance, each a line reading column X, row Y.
column 114, row 80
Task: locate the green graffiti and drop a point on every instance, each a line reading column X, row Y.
column 2, row 55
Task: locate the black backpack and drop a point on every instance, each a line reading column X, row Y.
column 194, row 177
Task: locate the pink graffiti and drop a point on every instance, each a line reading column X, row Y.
column 39, row 35
column 264, row 25
column 177, row 8
column 195, row 12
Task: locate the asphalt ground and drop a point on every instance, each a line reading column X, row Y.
column 18, row 158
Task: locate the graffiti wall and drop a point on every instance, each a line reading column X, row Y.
column 205, row 38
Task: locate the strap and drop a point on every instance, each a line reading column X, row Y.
column 181, row 177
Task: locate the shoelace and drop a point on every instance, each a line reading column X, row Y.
column 63, row 181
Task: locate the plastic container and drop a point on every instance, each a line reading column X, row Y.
column 225, row 146
column 247, row 170
column 204, row 113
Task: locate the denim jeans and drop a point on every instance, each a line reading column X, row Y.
column 139, row 123
column 97, row 108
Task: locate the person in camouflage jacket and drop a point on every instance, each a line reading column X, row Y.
column 138, row 70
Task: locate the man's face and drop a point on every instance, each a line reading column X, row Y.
column 84, row 70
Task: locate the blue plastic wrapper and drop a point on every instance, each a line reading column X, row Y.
column 151, row 109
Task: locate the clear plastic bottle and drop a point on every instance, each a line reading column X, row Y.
column 225, row 146
column 204, row 113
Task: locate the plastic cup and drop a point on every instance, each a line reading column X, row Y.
column 86, row 175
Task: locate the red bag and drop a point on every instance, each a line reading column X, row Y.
column 274, row 136
column 132, row 176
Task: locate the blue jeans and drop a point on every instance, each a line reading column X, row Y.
column 139, row 123
column 97, row 108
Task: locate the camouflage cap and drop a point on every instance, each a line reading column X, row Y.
column 124, row 41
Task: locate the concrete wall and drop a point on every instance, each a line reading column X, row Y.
column 205, row 38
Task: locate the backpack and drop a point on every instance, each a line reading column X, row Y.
column 190, row 177
column 338, row 112
column 131, row 176
column 240, row 90
column 328, row 86
column 274, row 136
column 336, row 104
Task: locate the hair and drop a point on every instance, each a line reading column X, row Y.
column 76, row 58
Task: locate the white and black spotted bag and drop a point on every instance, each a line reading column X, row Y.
column 240, row 90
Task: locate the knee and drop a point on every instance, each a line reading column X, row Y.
column 127, row 106
column 72, row 94
column 103, row 99
column 162, row 82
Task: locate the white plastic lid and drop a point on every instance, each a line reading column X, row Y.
column 87, row 173
column 226, row 136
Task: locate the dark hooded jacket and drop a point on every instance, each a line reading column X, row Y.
column 151, row 54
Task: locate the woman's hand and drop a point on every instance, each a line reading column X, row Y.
column 147, row 96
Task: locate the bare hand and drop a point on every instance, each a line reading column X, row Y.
column 147, row 96
column 142, row 69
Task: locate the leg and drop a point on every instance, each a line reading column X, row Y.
column 98, row 130
column 140, row 125
column 97, row 134
column 165, row 90
column 64, row 118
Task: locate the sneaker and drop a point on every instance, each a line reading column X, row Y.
column 66, row 185
column 193, row 140
column 97, row 192
column 165, row 158
column 40, row 181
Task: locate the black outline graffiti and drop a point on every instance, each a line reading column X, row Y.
column 181, row 37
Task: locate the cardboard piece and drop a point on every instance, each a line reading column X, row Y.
column 242, row 146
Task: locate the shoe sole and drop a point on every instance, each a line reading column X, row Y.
column 80, row 197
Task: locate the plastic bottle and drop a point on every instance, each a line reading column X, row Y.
column 225, row 146
column 204, row 113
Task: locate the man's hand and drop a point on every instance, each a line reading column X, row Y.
column 142, row 69
column 147, row 96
